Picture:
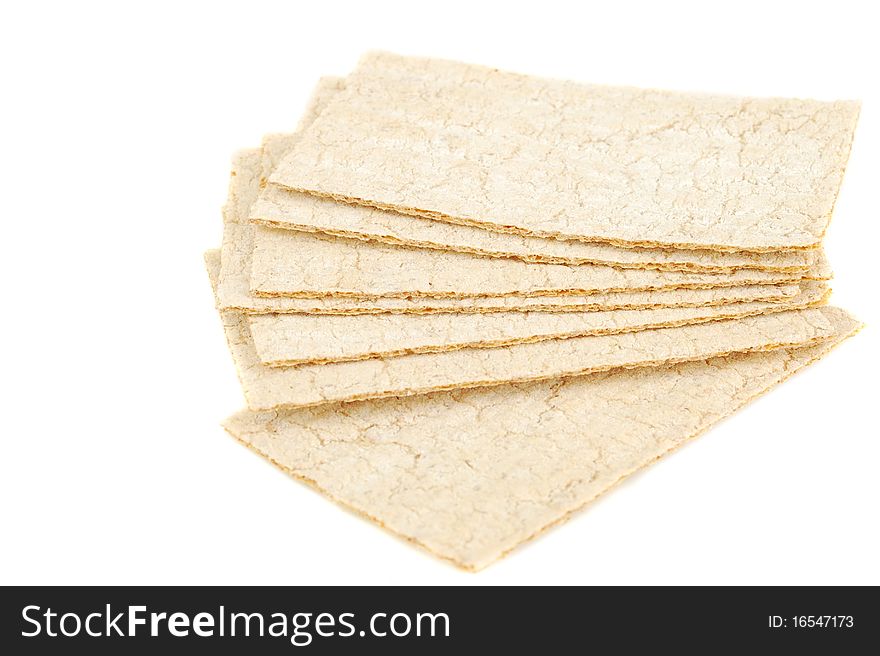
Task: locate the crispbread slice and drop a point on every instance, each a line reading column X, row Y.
column 233, row 293
column 299, row 264
column 233, row 290
column 289, row 339
column 306, row 385
column 547, row 158
column 469, row 475
column 281, row 208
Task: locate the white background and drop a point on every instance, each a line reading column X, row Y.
column 117, row 129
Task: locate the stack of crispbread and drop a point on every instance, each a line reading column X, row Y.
column 465, row 302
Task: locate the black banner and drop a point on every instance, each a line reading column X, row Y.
column 113, row 620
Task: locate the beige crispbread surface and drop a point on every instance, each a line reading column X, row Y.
column 281, row 208
column 233, row 284
column 314, row 384
column 300, row 264
column 234, row 294
column 512, row 153
column 471, row 474
column 276, row 146
column 233, row 290
column 247, row 176
column 288, row 339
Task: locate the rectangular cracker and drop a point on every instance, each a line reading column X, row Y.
column 512, row 153
column 291, row 339
column 234, row 294
column 306, row 385
column 300, row 264
column 234, row 286
column 469, row 475
column 282, row 208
